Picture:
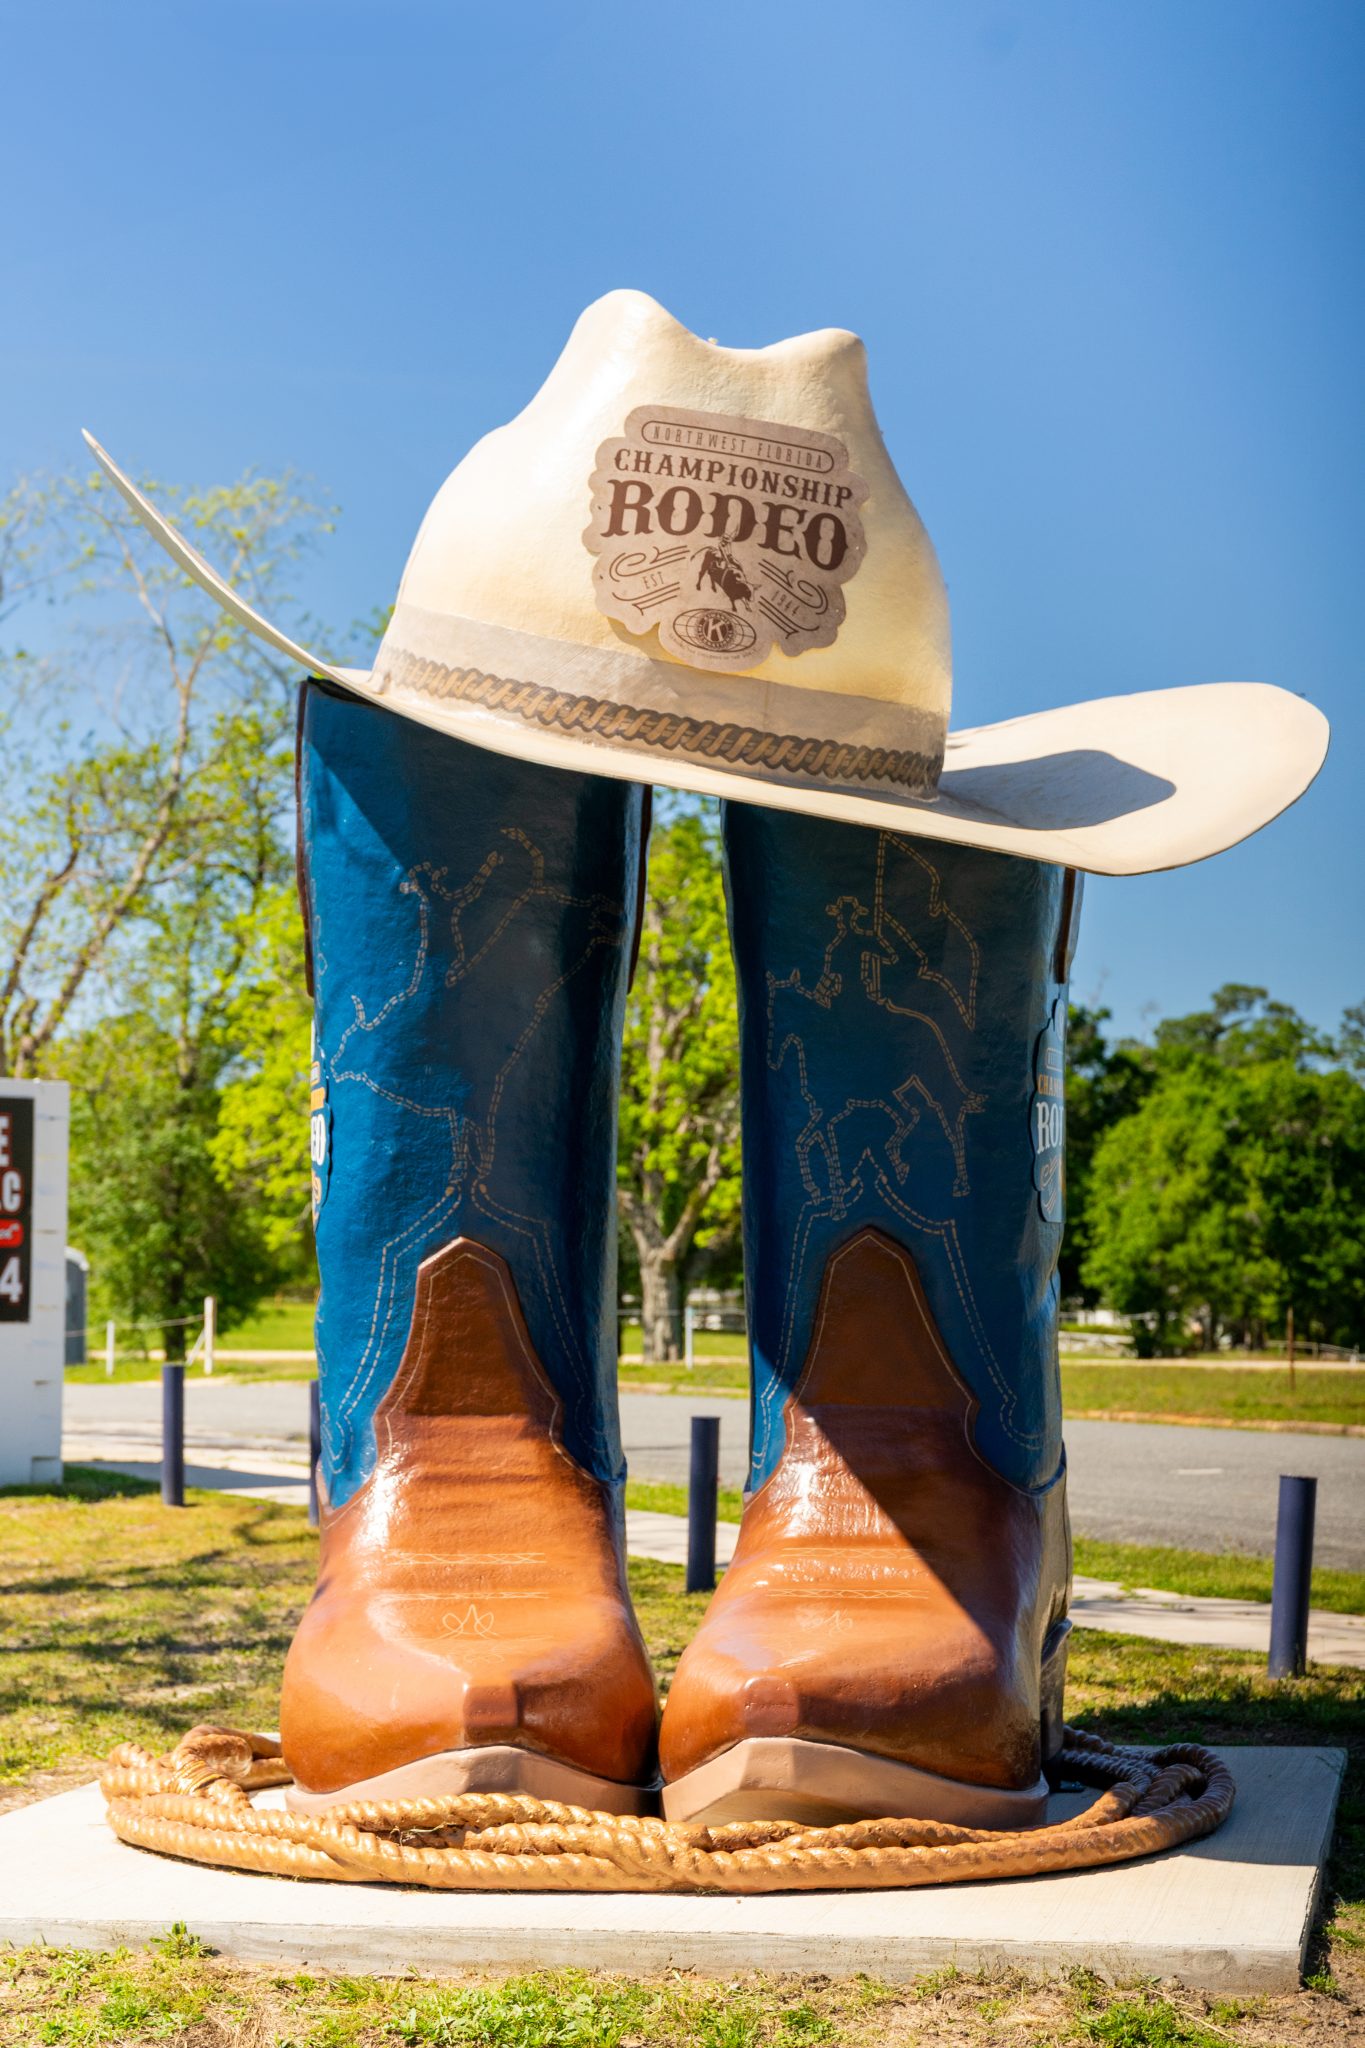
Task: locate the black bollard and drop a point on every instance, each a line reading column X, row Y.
column 701, row 1503
column 1293, row 1580
column 173, row 1436
column 314, row 1451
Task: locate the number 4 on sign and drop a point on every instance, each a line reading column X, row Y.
column 11, row 1279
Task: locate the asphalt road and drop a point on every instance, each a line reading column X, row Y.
column 1132, row 1482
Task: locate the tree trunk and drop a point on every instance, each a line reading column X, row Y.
column 660, row 1306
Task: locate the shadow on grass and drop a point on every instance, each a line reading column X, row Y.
column 83, row 1482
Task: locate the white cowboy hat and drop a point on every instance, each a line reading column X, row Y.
column 696, row 565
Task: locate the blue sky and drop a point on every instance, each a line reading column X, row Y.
column 1107, row 260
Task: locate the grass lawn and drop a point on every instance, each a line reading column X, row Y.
column 1126, row 1391
column 705, row 1343
column 275, row 1326
column 1162, row 1390
column 301, row 1368
column 128, row 1620
column 708, row 1376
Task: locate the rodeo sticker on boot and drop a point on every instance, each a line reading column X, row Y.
column 1047, row 1113
column 731, row 536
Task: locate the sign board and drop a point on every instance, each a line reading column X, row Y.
column 16, row 1208
column 33, row 1321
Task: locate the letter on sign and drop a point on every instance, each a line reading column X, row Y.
column 16, row 1208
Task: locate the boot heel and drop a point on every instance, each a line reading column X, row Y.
column 1051, row 1717
column 822, row 1784
column 499, row 1767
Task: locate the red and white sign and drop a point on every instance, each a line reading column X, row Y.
column 16, row 1208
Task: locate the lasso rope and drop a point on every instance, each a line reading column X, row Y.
column 196, row 1803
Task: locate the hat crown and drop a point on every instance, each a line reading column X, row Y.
column 816, row 549
column 602, row 586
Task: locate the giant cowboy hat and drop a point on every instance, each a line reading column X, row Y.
column 697, row 565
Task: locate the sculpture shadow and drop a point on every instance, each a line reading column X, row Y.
column 1052, row 793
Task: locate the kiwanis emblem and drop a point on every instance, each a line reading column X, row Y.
column 319, row 1133
column 731, row 536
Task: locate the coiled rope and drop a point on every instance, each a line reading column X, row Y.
column 196, row 1803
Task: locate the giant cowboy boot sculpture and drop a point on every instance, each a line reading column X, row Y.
column 470, row 920
column 891, row 1636
column 696, row 565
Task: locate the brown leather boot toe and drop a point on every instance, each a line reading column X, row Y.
column 471, row 1628
column 890, row 1637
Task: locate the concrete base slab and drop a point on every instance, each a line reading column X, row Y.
column 1230, row 1914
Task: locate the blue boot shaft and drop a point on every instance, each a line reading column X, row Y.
column 470, row 918
column 902, row 1013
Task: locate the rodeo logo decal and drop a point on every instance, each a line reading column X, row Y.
column 731, row 536
column 1048, row 1113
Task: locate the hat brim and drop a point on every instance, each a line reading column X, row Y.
column 1113, row 786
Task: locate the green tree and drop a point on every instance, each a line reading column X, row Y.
column 1234, row 1190
column 1351, row 1041
column 119, row 725
column 678, row 1161
column 260, row 1146
column 1104, row 1084
column 171, row 1226
column 147, row 1204
column 1241, row 1026
column 144, row 843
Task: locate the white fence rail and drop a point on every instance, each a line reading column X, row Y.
column 203, row 1348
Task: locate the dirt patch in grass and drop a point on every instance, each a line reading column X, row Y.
column 175, row 1991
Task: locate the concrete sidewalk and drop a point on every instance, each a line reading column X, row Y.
column 1216, row 1624
column 1095, row 1603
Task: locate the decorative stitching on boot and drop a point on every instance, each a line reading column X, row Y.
column 473, row 1140
column 872, row 933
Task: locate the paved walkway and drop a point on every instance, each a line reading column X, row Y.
column 1130, row 1482
column 1095, row 1603
column 1219, row 1624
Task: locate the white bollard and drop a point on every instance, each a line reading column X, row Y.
column 109, row 1350
column 210, row 1330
